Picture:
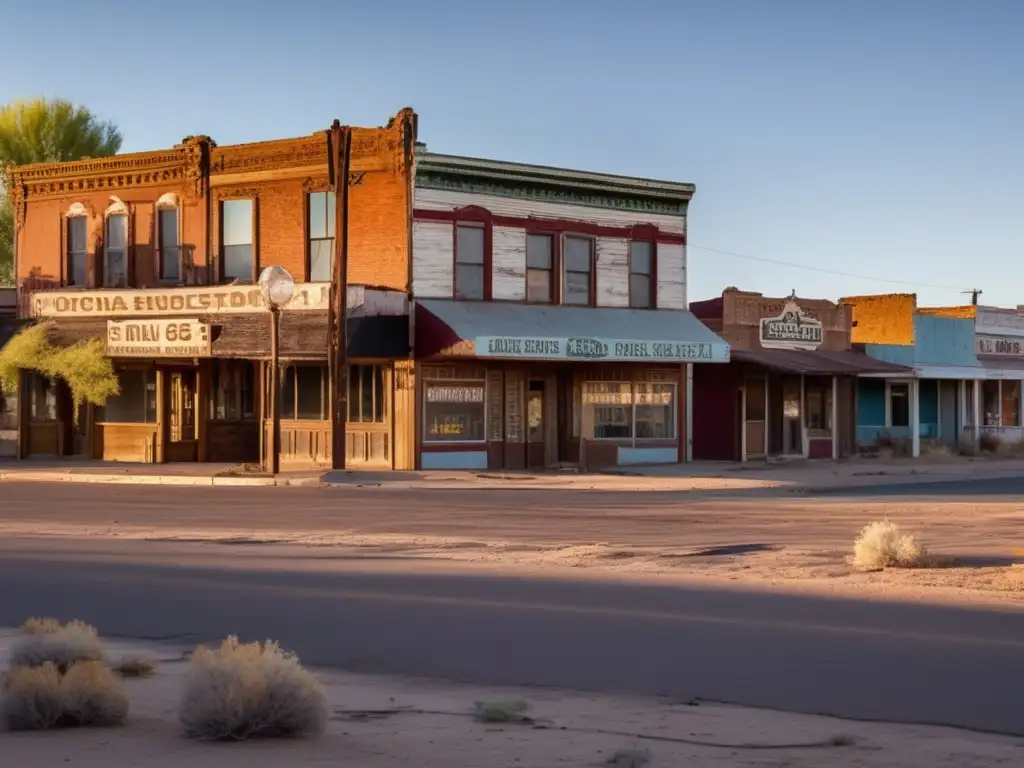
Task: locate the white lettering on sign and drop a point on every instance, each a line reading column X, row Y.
column 158, row 338
column 791, row 329
column 220, row 300
column 993, row 345
column 579, row 348
column 451, row 394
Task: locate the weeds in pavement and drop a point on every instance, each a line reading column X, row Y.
column 42, row 697
column 47, row 640
column 134, row 666
column 245, row 690
column 632, row 757
column 882, row 544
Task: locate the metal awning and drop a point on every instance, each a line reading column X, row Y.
column 819, row 362
column 539, row 332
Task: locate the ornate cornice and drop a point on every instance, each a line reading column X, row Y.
column 238, row 193
column 269, row 155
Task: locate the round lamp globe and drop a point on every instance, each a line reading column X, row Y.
column 277, row 286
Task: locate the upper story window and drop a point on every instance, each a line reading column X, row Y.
column 540, row 264
column 579, row 271
column 168, row 239
column 469, row 262
column 236, row 237
column 641, row 275
column 115, row 261
column 321, row 236
column 78, row 251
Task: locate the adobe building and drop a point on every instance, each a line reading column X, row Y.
column 551, row 322
column 790, row 387
column 157, row 253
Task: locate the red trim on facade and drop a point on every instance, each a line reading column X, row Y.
column 552, row 226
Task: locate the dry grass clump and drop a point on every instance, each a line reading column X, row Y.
column 882, row 544
column 502, row 711
column 135, row 666
column 47, row 640
column 42, row 697
column 245, row 690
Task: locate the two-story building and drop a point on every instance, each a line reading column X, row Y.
column 157, row 253
column 551, row 324
column 9, row 325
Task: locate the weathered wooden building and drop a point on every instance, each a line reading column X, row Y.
column 790, row 387
column 8, row 400
column 551, row 322
column 158, row 252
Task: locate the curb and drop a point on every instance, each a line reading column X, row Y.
column 105, row 479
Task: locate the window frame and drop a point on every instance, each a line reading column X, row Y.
column 253, row 199
column 555, row 288
column 354, row 369
column 308, row 231
column 473, row 216
column 564, row 271
column 75, row 213
column 168, row 202
column 238, row 389
column 464, row 382
column 325, row 396
column 117, row 210
column 652, row 275
column 634, row 386
column 889, row 387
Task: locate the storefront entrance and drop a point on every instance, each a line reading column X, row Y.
column 536, row 457
column 182, row 442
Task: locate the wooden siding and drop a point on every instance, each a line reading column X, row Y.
column 433, row 267
column 443, row 200
column 124, row 442
column 612, row 272
column 671, row 276
column 509, row 263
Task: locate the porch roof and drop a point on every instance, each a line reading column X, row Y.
column 505, row 330
column 818, row 362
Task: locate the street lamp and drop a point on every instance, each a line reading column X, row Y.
column 277, row 287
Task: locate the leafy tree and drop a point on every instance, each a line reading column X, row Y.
column 46, row 131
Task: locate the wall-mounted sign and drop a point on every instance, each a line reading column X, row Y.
column 601, row 349
column 791, row 329
column 444, row 393
column 158, row 338
column 213, row 300
column 994, row 345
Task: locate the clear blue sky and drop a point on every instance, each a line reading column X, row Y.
column 880, row 138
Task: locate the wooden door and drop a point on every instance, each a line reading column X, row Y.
column 182, row 442
column 535, row 425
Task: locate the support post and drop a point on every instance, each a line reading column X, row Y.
column 805, row 446
column 689, row 411
column 339, row 152
column 835, row 417
column 274, row 443
column 743, row 421
column 915, row 418
column 961, row 398
column 977, row 415
column 160, row 449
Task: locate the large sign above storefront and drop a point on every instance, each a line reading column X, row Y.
column 994, row 345
column 791, row 329
column 617, row 350
column 218, row 299
column 158, row 338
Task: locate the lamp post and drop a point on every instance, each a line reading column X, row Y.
column 277, row 287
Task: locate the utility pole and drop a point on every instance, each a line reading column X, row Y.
column 339, row 152
column 975, row 293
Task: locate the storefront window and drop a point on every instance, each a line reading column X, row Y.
column 232, row 390
column 8, row 410
column 655, row 411
column 899, row 405
column 304, row 396
column 818, row 396
column 1011, row 403
column 136, row 402
column 990, row 402
column 366, row 394
column 454, row 412
column 42, row 402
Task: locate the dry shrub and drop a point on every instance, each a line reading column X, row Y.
column 47, row 640
column 37, row 698
column 989, row 443
column 245, row 690
column 882, row 544
column 135, row 666
column 934, row 448
column 502, row 711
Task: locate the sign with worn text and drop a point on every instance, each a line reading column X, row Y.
column 618, row 350
column 791, row 329
column 200, row 300
column 994, row 345
column 444, row 393
column 158, row 338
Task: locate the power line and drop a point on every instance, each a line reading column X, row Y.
column 825, row 271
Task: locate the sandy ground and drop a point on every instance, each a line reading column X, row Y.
column 386, row 722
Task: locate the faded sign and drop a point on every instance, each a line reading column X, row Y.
column 791, row 329
column 994, row 345
column 158, row 338
column 646, row 350
column 219, row 300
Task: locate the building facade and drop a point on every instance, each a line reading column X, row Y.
column 790, row 388
column 551, row 324
column 157, row 254
column 8, row 400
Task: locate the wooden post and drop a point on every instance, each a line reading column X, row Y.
column 161, row 417
column 202, row 402
column 274, row 447
column 339, row 151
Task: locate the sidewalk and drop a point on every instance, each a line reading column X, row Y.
column 699, row 476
